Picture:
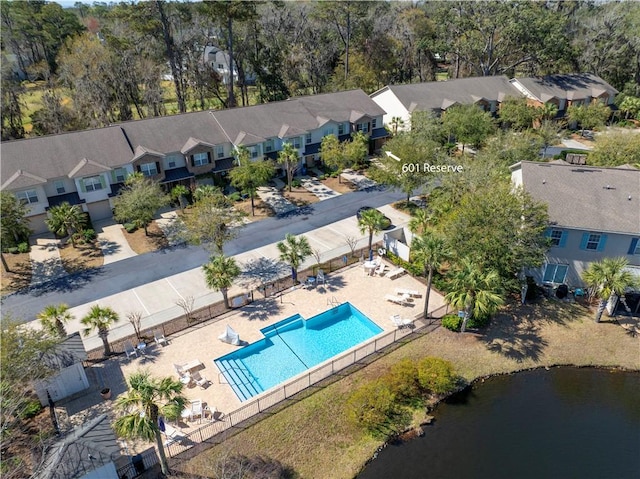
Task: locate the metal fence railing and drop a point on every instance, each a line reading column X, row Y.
column 213, row 433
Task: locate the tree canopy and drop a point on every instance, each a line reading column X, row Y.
column 139, row 201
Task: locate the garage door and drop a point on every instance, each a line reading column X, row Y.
column 37, row 224
column 99, row 210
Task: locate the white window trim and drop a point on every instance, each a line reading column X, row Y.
column 92, row 183
column 59, row 185
column 200, row 159
column 555, row 241
column 555, row 272
column 26, row 196
column 121, row 175
column 220, row 151
column 149, row 166
column 341, row 129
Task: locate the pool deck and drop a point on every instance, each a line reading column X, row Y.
column 200, row 343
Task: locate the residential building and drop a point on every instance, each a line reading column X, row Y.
column 565, row 90
column 88, row 168
column 402, row 100
column 594, row 213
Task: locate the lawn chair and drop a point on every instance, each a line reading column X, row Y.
column 401, row 300
column 200, row 380
column 400, row 322
column 396, row 273
column 196, row 409
column 129, row 350
column 320, row 278
column 381, row 268
column 160, row 339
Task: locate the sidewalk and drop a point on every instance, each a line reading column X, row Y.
column 317, row 188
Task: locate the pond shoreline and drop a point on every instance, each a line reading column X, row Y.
column 412, row 433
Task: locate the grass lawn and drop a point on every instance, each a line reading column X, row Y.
column 141, row 243
column 314, row 437
column 19, row 275
column 82, row 257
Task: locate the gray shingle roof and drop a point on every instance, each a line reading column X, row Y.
column 588, row 198
column 32, row 161
column 56, row 156
column 574, row 86
column 442, row 94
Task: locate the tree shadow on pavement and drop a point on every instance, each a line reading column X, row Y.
column 65, row 284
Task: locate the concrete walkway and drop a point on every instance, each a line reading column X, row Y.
column 575, row 144
column 274, row 198
column 317, row 188
column 361, row 182
column 45, row 260
column 171, row 227
column 112, row 241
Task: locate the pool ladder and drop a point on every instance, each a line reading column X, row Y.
column 333, row 301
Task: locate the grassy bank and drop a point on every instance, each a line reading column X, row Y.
column 314, row 437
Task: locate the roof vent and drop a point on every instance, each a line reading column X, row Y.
column 608, row 187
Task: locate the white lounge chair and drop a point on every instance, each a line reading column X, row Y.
column 320, row 277
column 408, row 292
column 400, row 322
column 129, row 350
column 230, row 336
column 160, row 339
column 396, row 299
column 381, row 268
column 196, row 409
column 172, row 434
column 393, row 274
column 200, row 380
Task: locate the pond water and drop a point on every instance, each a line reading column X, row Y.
column 560, row 423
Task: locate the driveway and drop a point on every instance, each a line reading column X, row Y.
column 317, row 188
column 112, row 242
column 45, row 260
column 361, row 182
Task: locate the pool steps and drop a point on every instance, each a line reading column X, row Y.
column 239, row 378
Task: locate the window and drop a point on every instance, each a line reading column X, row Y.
column 220, row 66
column 363, row 127
column 254, row 151
column 634, row 247
column 27, row 197
column 120, row 175
column 200, row 159
column 268, row 146
column 220, row 151
column 149, row 169
column 555, row 273
column 328, row 131
column 307, row 138
column 341, row 130
column 93, row 184
column 593, row 242
column 172, row 163
column 556, row 237
column 59, row 185
column 295, row 142
column 374, row 123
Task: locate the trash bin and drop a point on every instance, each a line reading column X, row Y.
column 138, row 463
column 562, row 291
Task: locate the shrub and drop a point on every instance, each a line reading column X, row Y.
column 371, row 405
column 296, row 183
column 477, row 322
column 235, row 196
column 13, row 250
column 414, row 269
column 436, row 375
column 89, row 235
column 452, row 322
column 334, row 174
column 24, row 248
column 322, row 177
column 130, row 227
column 563, row 154
column 30, row 409
column 402, row 380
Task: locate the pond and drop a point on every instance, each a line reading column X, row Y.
column 557, row 423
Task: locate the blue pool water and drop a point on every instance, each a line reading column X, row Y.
column 293, row 345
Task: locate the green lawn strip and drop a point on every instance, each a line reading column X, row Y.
column 315, row 438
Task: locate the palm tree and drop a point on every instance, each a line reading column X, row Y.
column 53, row 318
column 548, row 111
column 288, row 157
column 548, row 133
column 143, row 404
column 606, row 278
column 371, row 222
column 420, row 220
column 431, row 251
column 100, row 319
column 66, row 219
column 474, row 291
column 294, row 250
column 220, row 273
column 179, row 193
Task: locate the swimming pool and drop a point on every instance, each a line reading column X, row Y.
column 292, row 346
